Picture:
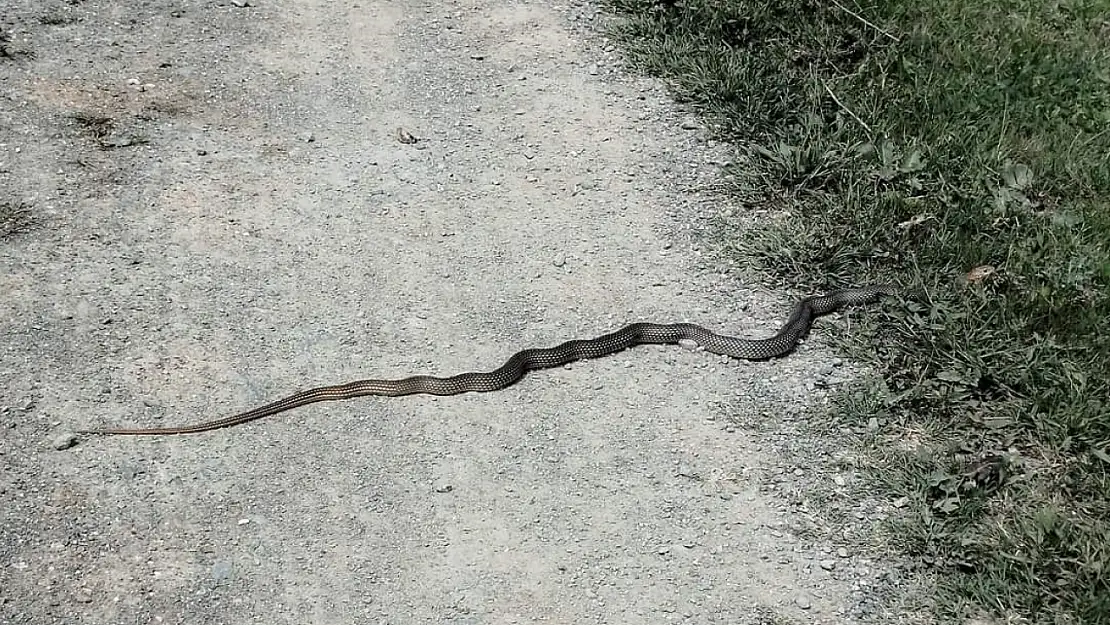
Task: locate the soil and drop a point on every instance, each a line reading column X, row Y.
column 209, row 204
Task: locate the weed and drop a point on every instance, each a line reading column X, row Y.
column 964, row 149
column 15, row 218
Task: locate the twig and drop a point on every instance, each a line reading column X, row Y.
column 864, row 20
column 845, row 108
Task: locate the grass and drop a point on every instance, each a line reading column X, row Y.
column 105, row 131
column 964, row 149
column 15, row 218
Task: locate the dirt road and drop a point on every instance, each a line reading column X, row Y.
column 210, row 206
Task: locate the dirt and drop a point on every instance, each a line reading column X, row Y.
column 214, row 204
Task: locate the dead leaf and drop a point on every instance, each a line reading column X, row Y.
column 979, row 273
column 916, row 220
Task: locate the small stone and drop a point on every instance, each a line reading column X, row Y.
column 64, row 441
column 803, row 602
column 221, row 570
column 828, row 565
column 689, row 124
column 309, row 137
column 478, row 57
column 202, row 152
column 663, row 551
column 442, row 487
column 240, row 3
column 688, row 344
column 244, row 521
column 839, row 480
column 900, row 502
column 559, row 260
column 842, row 552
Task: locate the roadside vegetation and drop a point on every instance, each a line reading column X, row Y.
column 961, row 149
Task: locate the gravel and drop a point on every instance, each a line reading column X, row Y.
column 251, row 226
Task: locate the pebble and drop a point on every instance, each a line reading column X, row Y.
column 443, row 487
column 828, row 565
column 842, row 552
column 559, row 260
column 803, row 602
column 64, row 441
column 221, row 570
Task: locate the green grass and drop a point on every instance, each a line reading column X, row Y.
column 963, row 149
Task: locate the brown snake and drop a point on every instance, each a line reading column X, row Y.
column 796, row 326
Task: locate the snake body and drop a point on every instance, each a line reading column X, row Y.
column 796, row 326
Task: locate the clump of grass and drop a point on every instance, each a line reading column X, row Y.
column 98, row 127
column 105, row 131
column 964, row 149
column 6, row 52
column 15, row 218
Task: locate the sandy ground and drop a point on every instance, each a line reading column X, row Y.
column 221, row 212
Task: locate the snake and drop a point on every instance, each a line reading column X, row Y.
column 796, row 327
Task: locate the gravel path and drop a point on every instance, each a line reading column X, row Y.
column 223, row 211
